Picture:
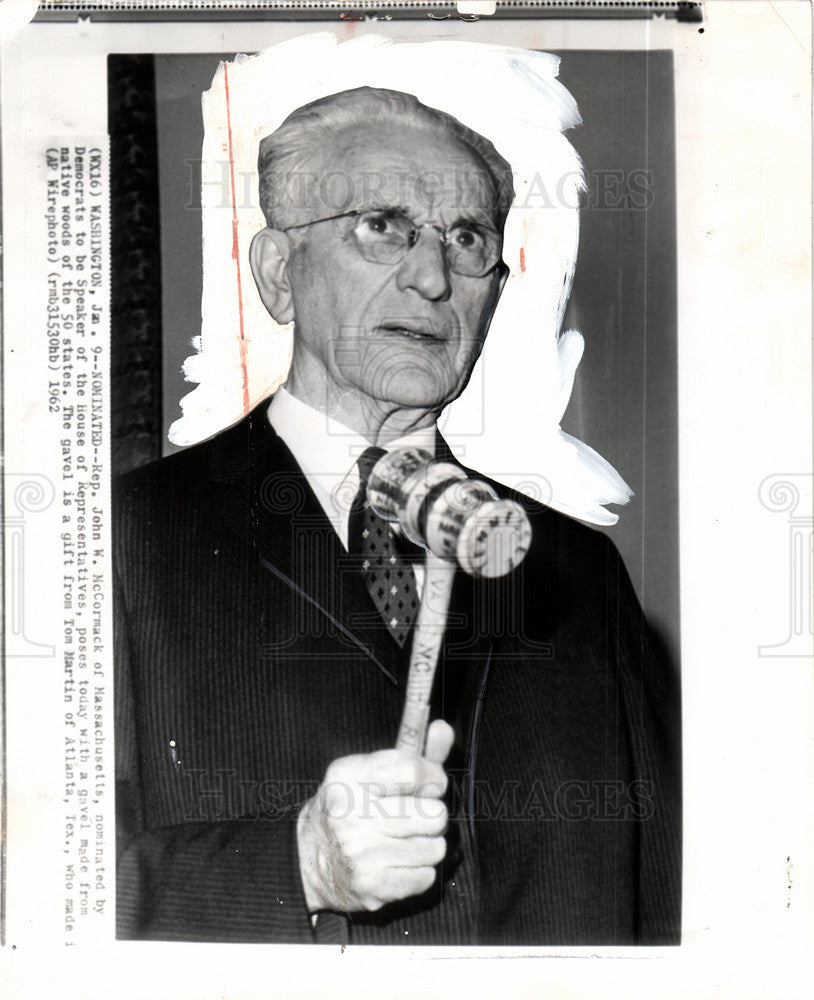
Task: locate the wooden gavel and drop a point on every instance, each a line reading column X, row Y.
column 459, row 522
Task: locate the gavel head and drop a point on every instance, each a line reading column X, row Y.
column 458, row 519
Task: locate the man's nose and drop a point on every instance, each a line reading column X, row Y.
column 424, row 267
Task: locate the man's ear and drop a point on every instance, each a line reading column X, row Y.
column 268, row 256
column 499, row 278
column 502, row 278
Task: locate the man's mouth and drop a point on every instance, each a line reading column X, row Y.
column 411, row 330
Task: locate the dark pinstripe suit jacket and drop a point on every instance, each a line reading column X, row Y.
column 249, row 656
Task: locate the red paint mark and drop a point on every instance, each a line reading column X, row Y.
column 235, row 247
column 522, row 260
column 350, row 25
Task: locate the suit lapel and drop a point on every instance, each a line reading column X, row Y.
column 268, row 501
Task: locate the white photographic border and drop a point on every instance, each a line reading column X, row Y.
column 743, row 103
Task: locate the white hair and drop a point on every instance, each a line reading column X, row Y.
column 310, row 126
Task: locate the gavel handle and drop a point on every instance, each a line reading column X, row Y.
column 428, row 636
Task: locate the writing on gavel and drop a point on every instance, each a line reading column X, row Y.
column 457, row 518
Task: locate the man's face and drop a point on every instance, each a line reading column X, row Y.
column 401, row 335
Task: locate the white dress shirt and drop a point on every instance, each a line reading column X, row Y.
column 327, row 451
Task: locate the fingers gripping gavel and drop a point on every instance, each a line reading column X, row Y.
column 374, row 831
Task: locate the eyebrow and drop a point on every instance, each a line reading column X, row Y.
column 464, row 220
column 384, row 208
column 461, row 220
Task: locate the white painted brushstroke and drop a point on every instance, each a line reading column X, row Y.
column 479, row 8
column 15, row 15
column 506, row 423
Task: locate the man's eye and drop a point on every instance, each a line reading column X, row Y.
column 380, row 224
column 376, row 224
column 465, row 238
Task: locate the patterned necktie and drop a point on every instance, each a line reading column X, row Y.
column 387, row 571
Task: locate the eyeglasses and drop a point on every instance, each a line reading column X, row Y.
column 383, row 236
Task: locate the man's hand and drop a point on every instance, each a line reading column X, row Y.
column 374, row 831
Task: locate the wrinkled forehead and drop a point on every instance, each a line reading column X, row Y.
column 425, row 171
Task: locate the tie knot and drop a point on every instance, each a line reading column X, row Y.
column 369, row 457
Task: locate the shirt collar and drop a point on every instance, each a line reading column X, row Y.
column 327, row 451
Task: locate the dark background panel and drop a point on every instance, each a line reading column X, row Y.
column 624, row 402
column 136, row 362
column 180, row 81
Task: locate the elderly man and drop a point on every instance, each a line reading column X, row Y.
column 265, row 620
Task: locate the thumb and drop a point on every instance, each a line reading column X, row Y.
column 440, row 737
